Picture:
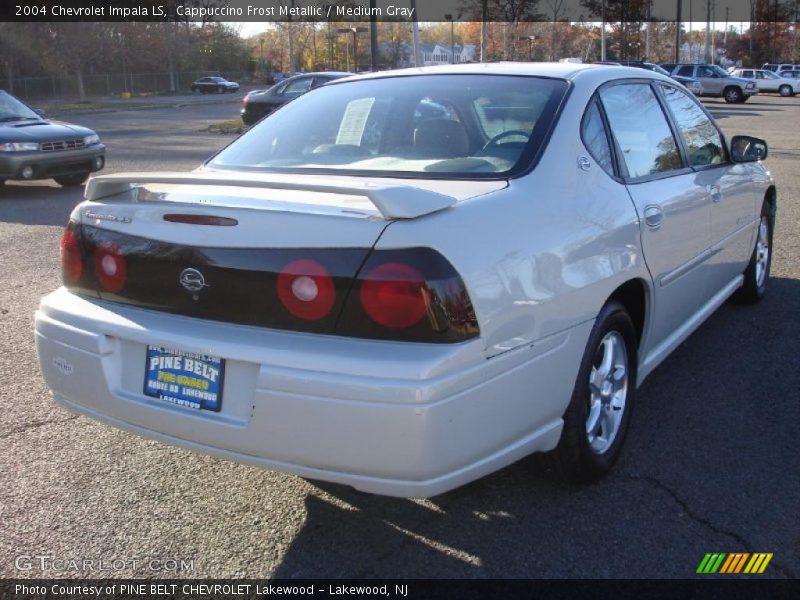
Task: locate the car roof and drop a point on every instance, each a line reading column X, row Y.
column 569, row 71
column 319, row 74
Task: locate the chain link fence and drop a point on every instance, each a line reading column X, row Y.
column 109, row 85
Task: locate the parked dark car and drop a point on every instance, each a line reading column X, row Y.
column 214, row 85
column 259, row 103
column 690, row 83
column 32, row 147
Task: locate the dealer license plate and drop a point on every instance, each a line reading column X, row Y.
column 184, row 378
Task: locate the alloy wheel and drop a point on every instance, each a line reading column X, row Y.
column 608, row 391
column 762, row 251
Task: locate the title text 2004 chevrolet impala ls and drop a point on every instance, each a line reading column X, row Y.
column 405, row 281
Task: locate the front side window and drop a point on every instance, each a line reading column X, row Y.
column 706, row 72
column 641, row 130
column 718, row 71
column 702, row 139
column 593, row 132
column 420, row 125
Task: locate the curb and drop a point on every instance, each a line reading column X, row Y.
column 110, row 109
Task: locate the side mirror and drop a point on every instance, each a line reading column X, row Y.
column 40, row 111
column 748, row 149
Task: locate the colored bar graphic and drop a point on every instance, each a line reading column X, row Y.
column 765, row 563
column 716, row 565
column 726, row 566
column 723, row 563
column 738, row 567
column 704, row 563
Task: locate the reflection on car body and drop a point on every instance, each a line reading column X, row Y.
column 404, row 281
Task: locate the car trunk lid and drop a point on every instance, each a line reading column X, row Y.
column 143, row 242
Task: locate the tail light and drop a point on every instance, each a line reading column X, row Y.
column 306, row 289
column 394, row 295
column 110, row 267
column 71, row 259
column 413, row 294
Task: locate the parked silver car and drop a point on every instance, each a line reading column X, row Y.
column 769, row 81
column 404, row 281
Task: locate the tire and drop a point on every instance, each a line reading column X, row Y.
column 71, row 180
column 220, row 90
column 756, row 275
column 585, row 453
column 786, row 90
column 733, row 95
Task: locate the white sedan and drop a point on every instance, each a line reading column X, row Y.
column 367, row 291
column 767, row 81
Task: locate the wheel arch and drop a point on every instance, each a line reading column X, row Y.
column 771, row 198
column 634, row 295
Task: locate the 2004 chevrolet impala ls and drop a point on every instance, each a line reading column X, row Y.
column 407, row 280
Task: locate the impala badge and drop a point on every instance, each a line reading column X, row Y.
column 192, row 281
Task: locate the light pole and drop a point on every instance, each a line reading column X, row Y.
column 355, row 31
column 449, row 17
column 331, row 38
column 603, row 30
column 530, row 39
column 679, row 7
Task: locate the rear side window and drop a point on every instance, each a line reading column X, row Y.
column 702, row 139
column 686, row 71
column 594, row 136
column 298, row 86
column 641, row 130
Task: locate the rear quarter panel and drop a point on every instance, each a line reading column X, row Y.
column 544, row 254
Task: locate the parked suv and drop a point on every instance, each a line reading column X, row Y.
column 716, row 82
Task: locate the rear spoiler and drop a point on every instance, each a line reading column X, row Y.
column 392, row 201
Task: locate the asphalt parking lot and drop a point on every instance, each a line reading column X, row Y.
column 711, row 463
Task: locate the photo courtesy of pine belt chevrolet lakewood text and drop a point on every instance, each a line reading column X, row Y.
column 404, row 281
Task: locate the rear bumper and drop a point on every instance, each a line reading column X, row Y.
column 254, row 112
column 51, row 164
column 398, row 419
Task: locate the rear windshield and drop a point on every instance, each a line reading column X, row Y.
column 414, row 126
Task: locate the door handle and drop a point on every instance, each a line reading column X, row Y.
column 653, row 216
column 715, row 192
